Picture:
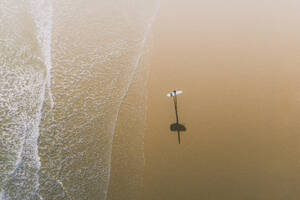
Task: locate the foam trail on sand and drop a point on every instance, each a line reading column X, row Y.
column 95, row 47
column 133, row 74
column 42, row 11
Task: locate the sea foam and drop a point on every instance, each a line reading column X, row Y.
column 24, row 72
column 65, row 69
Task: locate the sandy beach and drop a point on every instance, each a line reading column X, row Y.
column 238, row 66
column 84, row 113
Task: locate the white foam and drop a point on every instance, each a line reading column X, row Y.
column 97, row 53
column 25, row 82
column 42, row 11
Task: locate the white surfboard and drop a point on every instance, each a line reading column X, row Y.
column 174, row 93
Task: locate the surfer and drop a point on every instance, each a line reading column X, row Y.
column 176, row 126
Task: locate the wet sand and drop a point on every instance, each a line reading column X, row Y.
column 238, row 65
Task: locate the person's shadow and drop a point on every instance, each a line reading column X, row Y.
column 176, row 126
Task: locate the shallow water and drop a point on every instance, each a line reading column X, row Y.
column 66, row 69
